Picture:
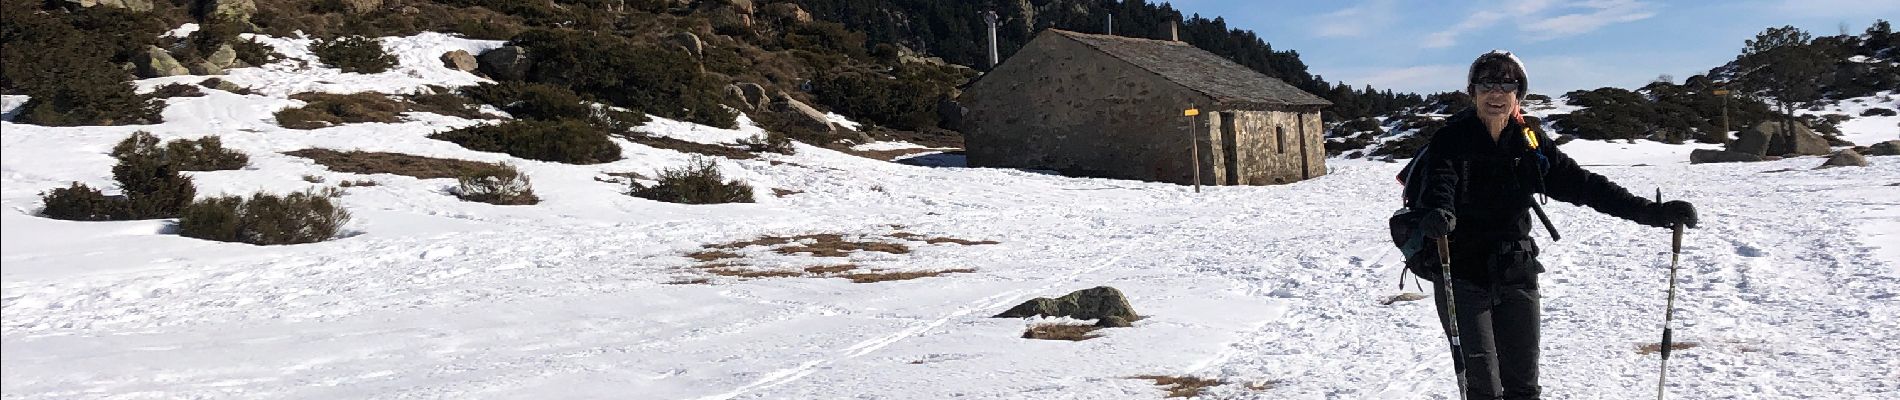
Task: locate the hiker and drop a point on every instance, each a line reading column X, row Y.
column 1482, row 174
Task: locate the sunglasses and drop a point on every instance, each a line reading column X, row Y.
column 1502, row 87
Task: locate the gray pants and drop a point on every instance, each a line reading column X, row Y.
column 1499, row 336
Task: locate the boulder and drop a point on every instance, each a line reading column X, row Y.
column 1878, row 112
column 506, row 63
column 746, row 7
column 788, row 12
column 134, row 5
column 460, row 60
column 1751, row 141
column 1704, row 156
column 686, row 41
column 205, row 68
column 749, row 93
column 1845, row 158
column 155, row 62
column 802, row 115
column 223, row 57
column 950, row 114
column 361, row 6
column 1114, row 322
column 221, row 84
column 729, row 20
column 1098, row 303
column 230, row 10
column 1799, row 141
column 1887, row 148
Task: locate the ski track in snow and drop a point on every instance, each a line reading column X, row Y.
column 1273, row 289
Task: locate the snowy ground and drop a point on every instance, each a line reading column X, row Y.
column 1273, row 289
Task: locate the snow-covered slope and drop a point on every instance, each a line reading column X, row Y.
column 1273, row 289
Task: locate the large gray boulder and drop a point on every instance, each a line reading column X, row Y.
column 1098, row 303
column 223, row 57
column 460, row 60
column 802, row 115
column 230, row 10
column 1845, row 158
column 155, row 62
column 1887, row 148
column 506, row 63
column 1798, row 141
column 751, row 94
column 1704, row 156
column 204, row 68
column 686, row 41
column 1751, row 141
column 788, row 12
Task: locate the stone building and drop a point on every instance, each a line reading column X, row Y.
column 1111, row 106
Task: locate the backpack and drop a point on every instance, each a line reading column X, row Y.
column 1421, row 256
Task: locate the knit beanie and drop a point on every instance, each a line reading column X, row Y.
column 1498, row 59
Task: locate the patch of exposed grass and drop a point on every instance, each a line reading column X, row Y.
column 691, row 147
column 1654, row 348
column 964, row 242
column 693, row 281
column 713, row 255
column 326, row 109
column 357, row 183
column 1182, row 386
column 1069, row 332
column 755, row 273
column 830, row 269
column 784, row 192
column 360, row 162
column 886, row 276
column 829, row 245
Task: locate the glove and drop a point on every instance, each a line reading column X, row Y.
column 1437, row 223
column 1671, row 213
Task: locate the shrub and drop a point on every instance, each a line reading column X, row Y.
column 354, row 54
column 650, row 79
column 204, row 154
column 264, row 219
column 153, row 188
column 361, row 162
column 177, row 90
column 770, row 141
column 906, row 101
column 536, row 101
column 80, row 203
column 565, row 141
column 699, row 182
column 73, row 74
column 325, row 110
column 498, row 184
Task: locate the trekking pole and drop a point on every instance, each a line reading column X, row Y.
column 1669, row 312
column 1451, row 312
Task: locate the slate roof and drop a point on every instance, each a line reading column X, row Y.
column 1224, row 80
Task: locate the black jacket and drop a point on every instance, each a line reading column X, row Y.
column 1490, row 186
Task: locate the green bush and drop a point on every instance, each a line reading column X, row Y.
column 264, row 219
column 72, row 73
column 544, row 102
column 498, row 184
column 565, row 141
column 906, row 101
column 325, row 110
column 646, row 78
column 446, row 102
column 770, row 141
column 204, row 154
column 699, row 182
column 81, row 203
column 354, row 54
column 152, row 185
column 177, row 90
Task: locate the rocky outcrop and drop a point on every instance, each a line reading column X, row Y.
column 686, row 41
column 460, row 60
column 802, row 115
column 1098, row 303
column 155, row 62
column 788, row 12
column 229, row 10
column 1845, row 158
column 506, row 63
column 1887, row 148
column 1705, row 156
column 751, row 95
column 361, row 6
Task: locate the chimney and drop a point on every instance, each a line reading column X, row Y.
column 990, row 18
column 1174, row 31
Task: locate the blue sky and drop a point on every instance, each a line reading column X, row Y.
column 1421, row 46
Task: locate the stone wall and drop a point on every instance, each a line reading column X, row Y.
column 1061, row 105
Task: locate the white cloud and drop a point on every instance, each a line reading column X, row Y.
column 1417, row 79
column 1603, row 13
column 1857, row 9
column 1357, row 20
column 1449, row 36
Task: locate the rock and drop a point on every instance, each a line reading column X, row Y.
column 506, row 63
column 1751, row 141
column 1845, row 158
column 220, row 84
column 1114, row 322
column 750, row 93
column 230, row 10
column 802, row 115
column 1704, row 156
column 729, row 20
column 223, row 57
column 686, row 41
column 1878, row 112
column 1801, row 141
column 1098, row 303
column 409, row 10
column 361, row 6
column 788, row 12
column 746, row 7
column 460, row 60
column 205, row 68
column 1887, row 148
column 950, row 114
column 155, row 62
column 134, row 5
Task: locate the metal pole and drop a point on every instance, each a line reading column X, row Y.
column 1669, row 312
column 1194, row 152
column 1451, row 314
column 989, row 17
column 1725, row 138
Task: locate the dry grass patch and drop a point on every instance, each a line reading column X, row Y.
column 326, row 109
column 360, row 162
column 886, row 276
column 1073, row 333
column 943, row 240
column 754, row 273
column 784, row 192
column 1654, row 348
column 1182, row 386
column 835, row 246
column 691, row 147
column 713, row 255
column 694, row 281
column 357, row 183
column 830, row 269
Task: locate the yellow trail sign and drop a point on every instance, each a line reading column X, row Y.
column 1721, row 92
column 1191, row 112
